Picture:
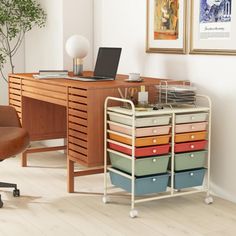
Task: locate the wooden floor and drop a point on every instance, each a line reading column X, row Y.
column 45, row 208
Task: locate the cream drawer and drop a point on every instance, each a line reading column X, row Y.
column 190, row 118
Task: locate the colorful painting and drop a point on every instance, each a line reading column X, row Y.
column 166, row 19
column 167, row 26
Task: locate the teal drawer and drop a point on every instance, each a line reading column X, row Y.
column 188, row 179
column 143, row 185
column 143, row 166
column 190, row 160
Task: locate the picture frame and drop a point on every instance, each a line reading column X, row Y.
column 213, row 27
column 166, row 26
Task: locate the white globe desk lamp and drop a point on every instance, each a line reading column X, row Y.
column 77, row 47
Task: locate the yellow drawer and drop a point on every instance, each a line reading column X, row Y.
column 142, row 142
column 187, row 137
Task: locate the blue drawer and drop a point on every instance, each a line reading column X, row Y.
column 188, row 179
column 143, row 185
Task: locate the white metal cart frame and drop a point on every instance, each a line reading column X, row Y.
column 172, row 193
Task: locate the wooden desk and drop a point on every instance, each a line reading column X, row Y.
column 62, row 108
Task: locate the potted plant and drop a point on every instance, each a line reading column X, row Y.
column 16, row 18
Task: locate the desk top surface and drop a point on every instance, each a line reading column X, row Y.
column 118, row 82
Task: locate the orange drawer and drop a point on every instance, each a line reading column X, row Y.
column 142, row 142
column 187, row 137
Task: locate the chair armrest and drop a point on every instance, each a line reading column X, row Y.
column 9, row 117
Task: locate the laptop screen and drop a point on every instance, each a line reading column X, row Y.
column 107, row 62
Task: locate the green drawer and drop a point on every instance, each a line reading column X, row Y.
column 143, row 166
column 190, row 160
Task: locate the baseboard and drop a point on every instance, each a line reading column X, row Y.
column 216, row 190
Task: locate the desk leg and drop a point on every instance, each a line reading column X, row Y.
column 24, row 159
column 70, row 176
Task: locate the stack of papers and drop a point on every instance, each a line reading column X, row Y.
column 176, row 94
column 52, row 74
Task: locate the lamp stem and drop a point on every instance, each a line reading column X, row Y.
column 77, row 66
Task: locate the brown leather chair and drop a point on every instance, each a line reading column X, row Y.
column 13, row 140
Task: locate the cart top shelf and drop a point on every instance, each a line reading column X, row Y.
column 165, row 110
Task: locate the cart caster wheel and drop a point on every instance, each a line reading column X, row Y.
column 105, row 199
column 133, row 213
column 209, row 200
column 16, row 193
column 1, row 204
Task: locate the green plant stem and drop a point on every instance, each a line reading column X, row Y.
column 9, row 52
column 3, row 76
column 18, row 44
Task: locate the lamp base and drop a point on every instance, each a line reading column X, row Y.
column 77, row 66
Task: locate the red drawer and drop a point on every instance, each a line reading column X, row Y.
column 190, row 146
column 140, row 152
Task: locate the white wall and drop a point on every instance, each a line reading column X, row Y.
column 123, row 23
column 19, row 62
column 78, row 19
column 43, row 47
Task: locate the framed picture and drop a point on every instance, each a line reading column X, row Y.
column 213, row 27
column 166, row 26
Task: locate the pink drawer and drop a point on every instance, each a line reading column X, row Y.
column 153, row 131
column 140, row 152
column 142, row 132
column 190, row 146
column 191, row 127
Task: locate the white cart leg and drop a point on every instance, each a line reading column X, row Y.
column 209, row 200
column 133, row 213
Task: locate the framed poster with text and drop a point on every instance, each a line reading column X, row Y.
column 213, row 27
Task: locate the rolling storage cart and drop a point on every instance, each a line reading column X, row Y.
column 163, row 151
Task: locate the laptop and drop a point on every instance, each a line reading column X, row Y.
column 106, row 65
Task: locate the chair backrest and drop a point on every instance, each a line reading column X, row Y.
column 9, row 117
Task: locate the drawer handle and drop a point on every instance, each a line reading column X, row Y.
column 192, row 136
column 191, row 174
column 154, row 180
column 154, row 150
column 192, row 146
column 154, row 131
column 192, row 117
column 192, row 155
column 154, row 121
column 154, row 140
column 154, row 160
column 192, row 127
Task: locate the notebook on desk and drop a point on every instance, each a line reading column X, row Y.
column 106, row 65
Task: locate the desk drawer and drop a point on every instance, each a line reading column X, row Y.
column 187, row 137
column 141, row 152
column 193, row 117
